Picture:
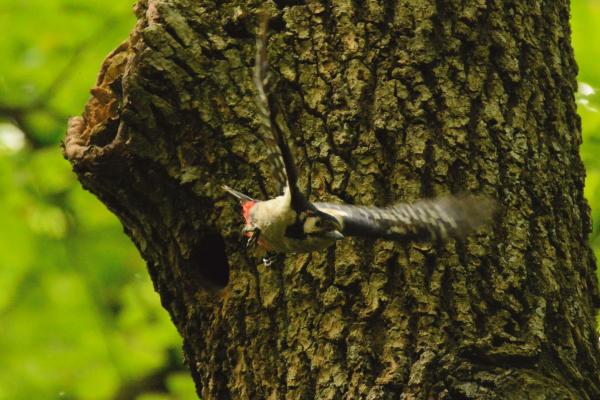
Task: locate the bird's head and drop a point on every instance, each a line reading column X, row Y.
column 317, row 223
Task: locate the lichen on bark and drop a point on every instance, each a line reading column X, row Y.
column 387, row 101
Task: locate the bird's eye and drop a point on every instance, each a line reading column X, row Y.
column 318, row 223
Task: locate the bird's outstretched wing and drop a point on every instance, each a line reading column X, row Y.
column 280, row 159
column 449, row 216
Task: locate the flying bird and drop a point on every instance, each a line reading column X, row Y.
column 290, row 223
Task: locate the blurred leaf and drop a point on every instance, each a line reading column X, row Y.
column 181, row 386
column 79, row 315
column 586, row 30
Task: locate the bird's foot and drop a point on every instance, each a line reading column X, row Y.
column 272, row 258
column 252, row 234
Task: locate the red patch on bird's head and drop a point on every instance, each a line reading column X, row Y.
column 246, row 206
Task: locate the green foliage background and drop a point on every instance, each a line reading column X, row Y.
column 79, row 318
column 585, row 25
column 78, row 315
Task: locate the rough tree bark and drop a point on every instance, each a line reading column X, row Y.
column 388, row 101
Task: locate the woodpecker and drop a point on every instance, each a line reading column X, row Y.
column 290, row 223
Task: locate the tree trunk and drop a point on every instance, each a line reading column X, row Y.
column 388, row 101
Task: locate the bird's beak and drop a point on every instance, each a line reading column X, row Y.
column 334, row 227
column 333, row 224
column 335, row 235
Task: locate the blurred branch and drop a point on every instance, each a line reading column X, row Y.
column 62, row 76
column 18, row 114
column 153, row 382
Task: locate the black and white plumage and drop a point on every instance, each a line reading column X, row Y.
column 290, row 223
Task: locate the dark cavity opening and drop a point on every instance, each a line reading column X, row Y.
column 104, row 137
column 288, row 3
column 210, row 260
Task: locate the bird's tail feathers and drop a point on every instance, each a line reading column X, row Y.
column 237, row 194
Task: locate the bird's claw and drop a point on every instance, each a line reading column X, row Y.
column 271, row 259
column 252, row 238
column 251, row 241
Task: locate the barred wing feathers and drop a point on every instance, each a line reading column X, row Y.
column 449, row 216
column 279, row 157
